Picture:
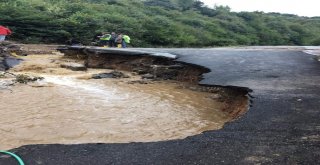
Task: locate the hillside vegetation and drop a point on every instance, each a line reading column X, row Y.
column 169, row 23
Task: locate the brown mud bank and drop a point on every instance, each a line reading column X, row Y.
column 162, row 68
column 6, row 58
column 10, row 52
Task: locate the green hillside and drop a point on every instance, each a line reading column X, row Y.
column 168, row 23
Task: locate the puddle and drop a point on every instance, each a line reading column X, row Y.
column 69, row 108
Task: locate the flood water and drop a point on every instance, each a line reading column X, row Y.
column 69, row 108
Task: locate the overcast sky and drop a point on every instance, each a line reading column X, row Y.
column 299, row 7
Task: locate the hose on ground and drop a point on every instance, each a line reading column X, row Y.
column 13, row 155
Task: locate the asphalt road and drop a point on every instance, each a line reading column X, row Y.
column 281, row 127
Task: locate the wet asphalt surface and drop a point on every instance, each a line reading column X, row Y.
column 281, row 127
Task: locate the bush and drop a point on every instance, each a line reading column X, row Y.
column 173, row 23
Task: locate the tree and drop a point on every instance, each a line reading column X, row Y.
column 153, row 23
column 185, row 4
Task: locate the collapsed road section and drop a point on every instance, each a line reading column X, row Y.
column 159, row 66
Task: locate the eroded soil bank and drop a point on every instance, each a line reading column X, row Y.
column 69, row 107
column 161, row 68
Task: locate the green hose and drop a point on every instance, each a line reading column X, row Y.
column 13, row 155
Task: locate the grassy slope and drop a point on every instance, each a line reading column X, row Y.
column 153, row 23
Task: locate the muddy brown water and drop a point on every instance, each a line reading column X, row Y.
column 69, row 108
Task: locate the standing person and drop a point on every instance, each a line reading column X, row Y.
column 112, row 41
column 119, row 41
column 4, row 32
column 125, row 41
column 96, row 39
column 105, row 39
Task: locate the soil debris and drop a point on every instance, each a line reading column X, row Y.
column 11, row 48
column 24, row 79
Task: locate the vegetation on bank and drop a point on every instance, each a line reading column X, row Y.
column 169, row 23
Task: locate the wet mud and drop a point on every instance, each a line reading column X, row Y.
column 71, row 107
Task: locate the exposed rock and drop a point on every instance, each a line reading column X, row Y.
column 113, row 74
column 148, row 76
column 74, row 66
column 102, row 75
column 118, row 74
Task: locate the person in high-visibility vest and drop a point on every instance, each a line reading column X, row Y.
column 104, row 39
column 125, row 41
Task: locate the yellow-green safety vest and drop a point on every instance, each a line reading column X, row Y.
column 126, row 38
column 106, row 37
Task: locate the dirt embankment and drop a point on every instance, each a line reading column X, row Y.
column 163, row 68
column 10, row 52
column 6, row 58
